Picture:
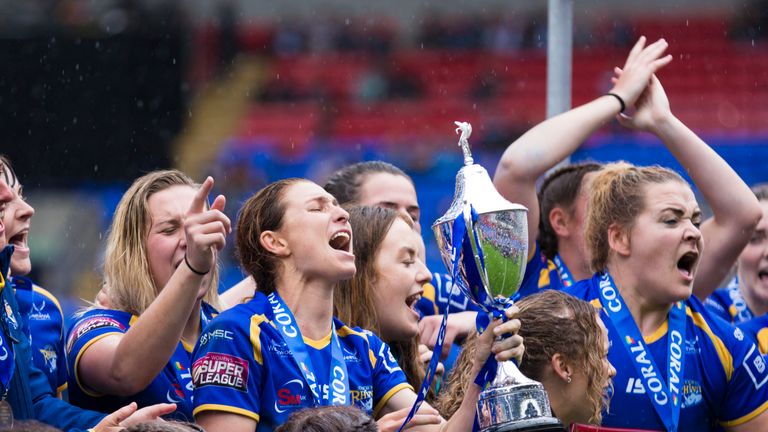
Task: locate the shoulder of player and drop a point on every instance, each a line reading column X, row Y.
column 583, row 290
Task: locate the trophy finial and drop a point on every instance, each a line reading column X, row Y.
column 466, row 130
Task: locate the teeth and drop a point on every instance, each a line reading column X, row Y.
column 340, row 234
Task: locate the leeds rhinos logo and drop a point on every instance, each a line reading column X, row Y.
column 363, row 397
column 50, row 357
column 691, row 392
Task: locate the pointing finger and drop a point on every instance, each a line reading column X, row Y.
column 201, row 196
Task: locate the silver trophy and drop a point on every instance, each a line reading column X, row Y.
column 497, row 232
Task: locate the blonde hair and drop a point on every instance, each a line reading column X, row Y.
column 126, row 267
column 617, row 198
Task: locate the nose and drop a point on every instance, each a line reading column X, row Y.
column 423, row 275
column 611, row 370
column 6, row 194
column 341, row 215
column 692, row 232
column 25, row 210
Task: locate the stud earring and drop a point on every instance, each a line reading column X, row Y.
column 568, row 380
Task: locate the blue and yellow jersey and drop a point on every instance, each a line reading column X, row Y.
column 729, row 304
column 243, row 366
column 172, row 385
column 46, row 328
column 540, row 274
column 441, row 292
column 725, row 381
column 757, row 328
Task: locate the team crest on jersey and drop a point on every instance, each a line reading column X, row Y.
column 362, row 396
column 691, row 393
column 50, row 357
column 92, row 323
column 290, row 395
column 38, row 312
column 222, row 370
column 10, row 316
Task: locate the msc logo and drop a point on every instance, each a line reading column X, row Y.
column 363, row 397
column 215, row 334
column 290, row 395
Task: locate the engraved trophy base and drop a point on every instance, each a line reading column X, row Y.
column 514, row 402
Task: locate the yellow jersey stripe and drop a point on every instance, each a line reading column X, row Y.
column 255, row 340
column 388, row 395
column 46, row 293
column 725, row 356
column 741, row 420
column 225, row 408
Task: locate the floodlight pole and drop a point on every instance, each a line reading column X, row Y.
column 559, row 57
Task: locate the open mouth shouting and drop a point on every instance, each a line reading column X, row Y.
column 686, row 264
column 341, row 241
column 411, row 301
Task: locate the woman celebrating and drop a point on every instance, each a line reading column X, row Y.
column 679, row 368
column 283, row 350
column 42, row 309
column 744, row 301
column 566, row 349
column 389, row 280
column 160, row 267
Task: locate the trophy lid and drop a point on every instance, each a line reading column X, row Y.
column 474, row 186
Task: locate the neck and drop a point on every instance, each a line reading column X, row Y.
column 753, row 302
column 192, row 329
column 574, row 260
column 648, row 314
column 559, row 399
column 311, row 304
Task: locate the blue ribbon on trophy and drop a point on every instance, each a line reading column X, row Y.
column 483, row 240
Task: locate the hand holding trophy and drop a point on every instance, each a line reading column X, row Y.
column 483, row 241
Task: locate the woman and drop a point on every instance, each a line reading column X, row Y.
column 283, row 350
column 389, row 280
column 558, row 214
column 566, row 349
column 679, row 367
column 46, row 320
column 160, row 266
column 744, row 301
column 25, row 389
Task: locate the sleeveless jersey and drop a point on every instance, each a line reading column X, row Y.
column 724, row 380
column 243, row 366
column 729, row 304
column 46, row 328
column 172, row 385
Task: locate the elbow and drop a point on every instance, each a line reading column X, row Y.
column 124, row 383
column 749, row 216
column 509, row 170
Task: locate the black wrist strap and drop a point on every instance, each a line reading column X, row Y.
column 621, row 101
column 189, row 266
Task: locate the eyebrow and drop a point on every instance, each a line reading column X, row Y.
column 322, row 200
column 681, row 213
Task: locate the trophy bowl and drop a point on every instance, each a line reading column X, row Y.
column 486, row 238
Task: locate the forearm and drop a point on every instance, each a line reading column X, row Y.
column 146, row 347
column 735, row 210
column 464, row 417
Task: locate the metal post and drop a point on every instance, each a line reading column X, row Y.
column 559, row 56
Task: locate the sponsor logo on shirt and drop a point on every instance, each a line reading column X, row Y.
column 754, row 364
column 38, row 312
column 279, row 349
column 90, row 324
column 50, row 357
column 738, row 334
column 350, row 356
column 290, row 395
column 221, row 370
column 362, row 396
column 215, row 334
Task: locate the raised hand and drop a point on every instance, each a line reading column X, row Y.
column 642, row 62
column 651, row 108
column 509, row 347
column 206, row 230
